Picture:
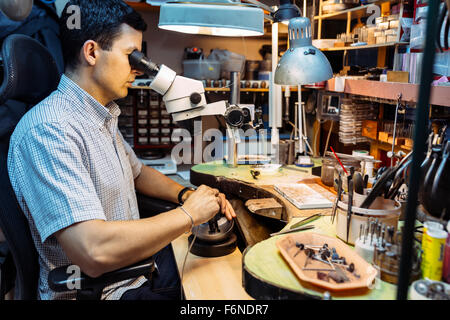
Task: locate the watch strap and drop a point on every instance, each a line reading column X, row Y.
column 182, row 192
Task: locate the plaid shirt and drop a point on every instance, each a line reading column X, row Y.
column 68, row 163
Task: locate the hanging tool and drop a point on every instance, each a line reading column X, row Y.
column 441, row 17
column 399, row 106
column 338, row 197
column 350, row 202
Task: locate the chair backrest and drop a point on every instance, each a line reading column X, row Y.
column 30, row 74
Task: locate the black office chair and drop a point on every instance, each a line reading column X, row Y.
column 29, row 75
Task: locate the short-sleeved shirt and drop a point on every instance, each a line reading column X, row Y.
column 69, row 163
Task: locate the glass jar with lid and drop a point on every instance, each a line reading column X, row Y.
column 327, row 174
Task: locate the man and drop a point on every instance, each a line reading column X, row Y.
column 75, row 177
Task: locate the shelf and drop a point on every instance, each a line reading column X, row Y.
column 342, row 15
column 293, row 89
column 142, row 6
column 369, row 46
column 385, row 146
column 440, row 95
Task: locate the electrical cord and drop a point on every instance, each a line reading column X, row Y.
column 189, row 247
column 328, row 138
column 184, row 261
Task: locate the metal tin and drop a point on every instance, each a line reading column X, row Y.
column 433, row 259
column 446, row 271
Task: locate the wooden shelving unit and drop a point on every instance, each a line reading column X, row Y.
column 440, row 95
column 292, row 89
column 356, row 12
column 369, row 46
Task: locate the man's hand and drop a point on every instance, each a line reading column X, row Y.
column 203, row 204
column 199, row 202
column 226, row 207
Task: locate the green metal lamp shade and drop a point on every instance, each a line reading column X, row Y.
column 286, row 12
column 302, row 63
column 231, row 19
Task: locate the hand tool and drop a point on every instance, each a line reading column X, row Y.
column 306, row 220
column 338, row 198
column 316, row 269
column 378, row 188
column 372, row 231
column 350, row 203
column 366, row 180
column 358, row 183
column 292, row 230
column 360, row 231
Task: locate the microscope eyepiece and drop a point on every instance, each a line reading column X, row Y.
column 140, row 62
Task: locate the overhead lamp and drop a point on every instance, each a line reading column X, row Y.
column 302, row 63
column 286, row 12
column 212, row 17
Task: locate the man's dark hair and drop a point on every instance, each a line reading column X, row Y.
column 101, row 21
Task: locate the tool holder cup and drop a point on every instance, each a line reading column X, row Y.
column 386, row 211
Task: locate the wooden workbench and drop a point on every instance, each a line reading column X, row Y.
column 221, row 278
column 217, row 278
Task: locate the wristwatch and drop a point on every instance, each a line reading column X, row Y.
column 182, row 192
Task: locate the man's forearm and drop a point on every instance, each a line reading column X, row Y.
column 154, row 184
column 98, row 246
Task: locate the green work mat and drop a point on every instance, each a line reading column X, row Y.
column 265, row 262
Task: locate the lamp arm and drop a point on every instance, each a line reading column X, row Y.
column 261, row 5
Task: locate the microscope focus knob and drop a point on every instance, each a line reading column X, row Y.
column 195, row 98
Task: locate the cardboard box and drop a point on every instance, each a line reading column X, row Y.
column 381, row 39
column 398, row 141
column 394, row 24
column 339, row 44
column 408, row 143
column 383, row 136
column 383, row 25
column 370, row 129
column 371, row 35
column 378, row 33
column 390, row 32
column 391, row 38
column 398, row 76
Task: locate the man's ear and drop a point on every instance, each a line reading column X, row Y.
column 89, row 52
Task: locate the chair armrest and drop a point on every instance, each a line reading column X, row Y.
column 60, row 280
column 149, row 207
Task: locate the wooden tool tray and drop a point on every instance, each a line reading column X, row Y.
column 296, row 260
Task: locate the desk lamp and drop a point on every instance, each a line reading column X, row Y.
column 212, row 17
column 286, row 12
column 302, row 64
